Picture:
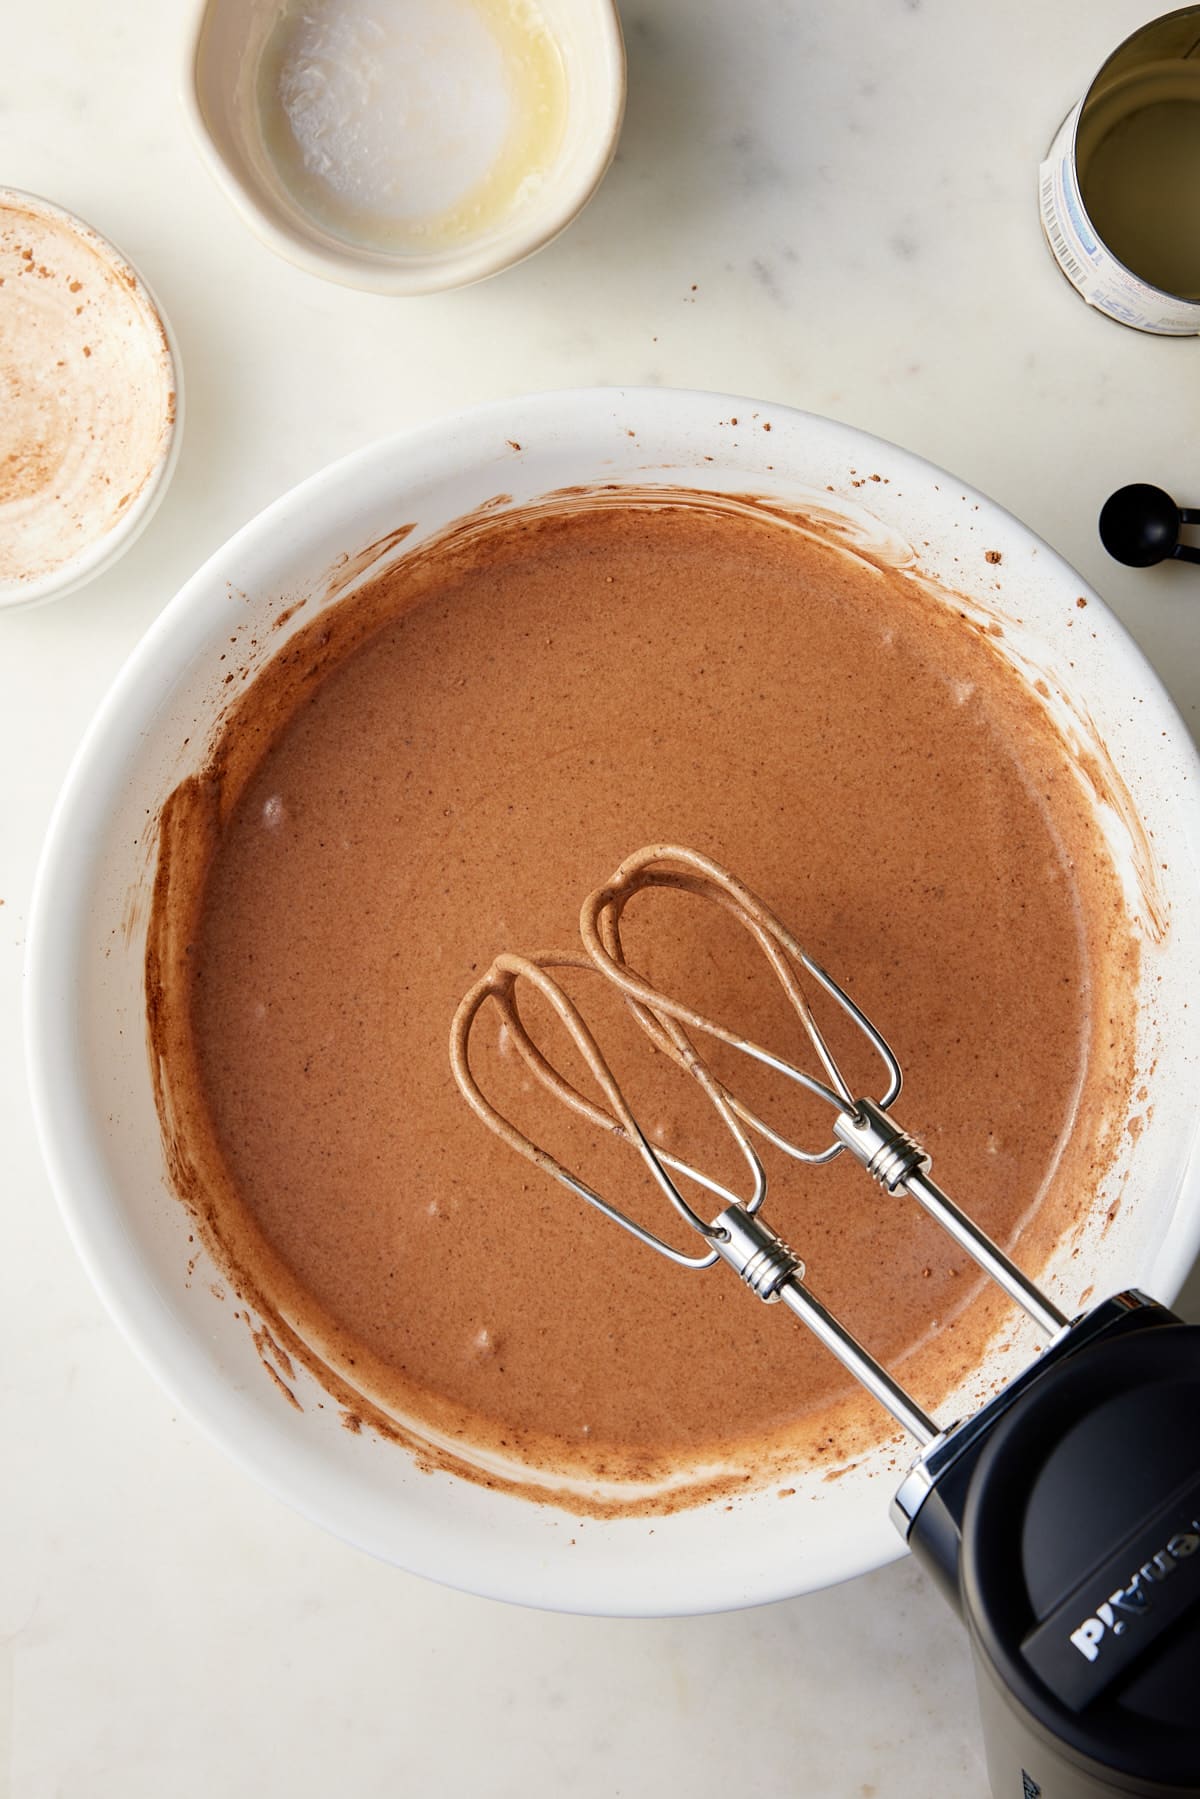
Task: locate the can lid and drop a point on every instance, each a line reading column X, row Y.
column 1080, row 1569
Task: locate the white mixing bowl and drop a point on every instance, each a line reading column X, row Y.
column 86, row 1021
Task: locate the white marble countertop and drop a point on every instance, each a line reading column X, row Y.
column 832, row 207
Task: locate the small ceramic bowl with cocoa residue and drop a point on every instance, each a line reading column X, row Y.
column 90, row 401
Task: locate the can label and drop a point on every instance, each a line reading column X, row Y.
column 1088, row 264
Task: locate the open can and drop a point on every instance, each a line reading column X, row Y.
column 1120, row 186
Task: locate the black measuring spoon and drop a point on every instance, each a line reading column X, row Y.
column 1140, row 524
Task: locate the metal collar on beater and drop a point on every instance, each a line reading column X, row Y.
column 737, row 1235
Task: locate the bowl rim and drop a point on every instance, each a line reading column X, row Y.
column 100, row 554
column 59, row 917
column 375, row 271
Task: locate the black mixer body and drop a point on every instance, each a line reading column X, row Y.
column 1063, row 1522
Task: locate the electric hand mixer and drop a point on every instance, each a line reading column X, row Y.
column 1062, row 1519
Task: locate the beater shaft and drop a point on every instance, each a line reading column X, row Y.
column 774, row 1272
column 899, row 1164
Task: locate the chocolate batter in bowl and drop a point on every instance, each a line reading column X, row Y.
column 407, row 719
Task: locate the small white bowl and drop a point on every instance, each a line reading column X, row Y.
column 92, row 422
column 90, row 1072
column 220, row 99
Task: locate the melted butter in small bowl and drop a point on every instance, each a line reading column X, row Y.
column 406, row 124
column 408, row 145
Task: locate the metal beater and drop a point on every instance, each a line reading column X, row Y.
column 1062, row 1519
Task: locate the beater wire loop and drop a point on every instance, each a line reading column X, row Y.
column 501, row 985
column 667, row 1021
